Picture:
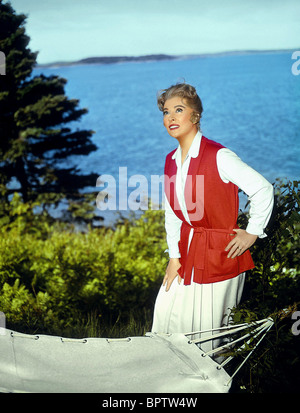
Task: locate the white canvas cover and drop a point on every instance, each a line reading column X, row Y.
column 154, row 363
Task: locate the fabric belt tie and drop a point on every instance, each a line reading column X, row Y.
column 194, row 255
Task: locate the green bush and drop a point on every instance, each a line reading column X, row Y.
column 274, row 283
column 52, row 276
column 273, row 289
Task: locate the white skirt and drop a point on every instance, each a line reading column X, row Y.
column 194, row 307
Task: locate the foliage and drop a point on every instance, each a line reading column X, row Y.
column 34, row 117
column 51, row 275
column 273, row 289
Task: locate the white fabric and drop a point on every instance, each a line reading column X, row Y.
column 231, row 168
column 150, row 364
column 195, row 307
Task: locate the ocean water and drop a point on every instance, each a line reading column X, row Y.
column 251, row 105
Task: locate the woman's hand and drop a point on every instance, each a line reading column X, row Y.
column 240, row 243
column 172, row 272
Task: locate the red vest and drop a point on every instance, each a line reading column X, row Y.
column 213, row 211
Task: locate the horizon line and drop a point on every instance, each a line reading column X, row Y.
column 113, row 59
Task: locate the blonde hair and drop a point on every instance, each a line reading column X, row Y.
column 186, row 92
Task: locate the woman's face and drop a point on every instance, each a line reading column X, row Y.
column 177, row 118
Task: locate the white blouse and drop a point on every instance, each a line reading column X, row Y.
column 231, row 169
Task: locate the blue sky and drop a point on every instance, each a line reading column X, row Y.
column 66, row 30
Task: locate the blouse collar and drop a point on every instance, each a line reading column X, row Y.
column 194, row 148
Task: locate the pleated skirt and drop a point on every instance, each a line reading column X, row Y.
column 196, row 307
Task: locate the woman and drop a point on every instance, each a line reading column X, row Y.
column 208, row 253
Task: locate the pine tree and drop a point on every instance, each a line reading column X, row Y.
column 34, row 115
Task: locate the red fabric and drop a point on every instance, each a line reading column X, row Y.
column 213, row 210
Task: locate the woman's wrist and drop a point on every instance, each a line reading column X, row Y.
column 175, row 260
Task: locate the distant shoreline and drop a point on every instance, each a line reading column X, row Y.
column 155, row 57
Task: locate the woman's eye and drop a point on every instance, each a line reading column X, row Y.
column 178, row 110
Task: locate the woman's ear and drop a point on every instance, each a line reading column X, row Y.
column 195, row 117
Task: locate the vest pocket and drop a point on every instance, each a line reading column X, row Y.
column 219, row 265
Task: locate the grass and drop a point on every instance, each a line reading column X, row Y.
column 95, row 325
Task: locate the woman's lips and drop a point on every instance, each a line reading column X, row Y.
column 173, row 126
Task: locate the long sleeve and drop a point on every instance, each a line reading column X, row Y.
column 172, row 226
column 260, row 192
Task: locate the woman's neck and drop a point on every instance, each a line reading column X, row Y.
column 185, row 144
